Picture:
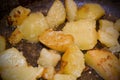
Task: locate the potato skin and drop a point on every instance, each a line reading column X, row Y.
column 2, row 43
column 56, row 40
column 90, row 11
column 105, row 64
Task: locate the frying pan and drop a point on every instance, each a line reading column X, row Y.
column 31, row 51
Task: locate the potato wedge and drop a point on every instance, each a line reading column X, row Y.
column 117, row 25
column 90, row 11
column 105, row 64
column 17, row 15
column 56, row 14
column 107, row 35
column 64, row 77
column 84, row 33
column 15, row 37
column 72, row 62
column 56, row 40
column 71, row 10
column 2, row 43
column 33, row 26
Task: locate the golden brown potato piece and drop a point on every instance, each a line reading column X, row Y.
column 72, row 61
column 17, row 15
column 56, row 14
column 71, row 10
column 84, row 33
column 117, row 25
column 90, row 11
column 2, row 43
column 15, row 37
column 105, row 64
column 64, row 77
column 33, row 26
column 107, row 35
column 56, row 40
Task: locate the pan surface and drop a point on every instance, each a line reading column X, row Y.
column 31, row 51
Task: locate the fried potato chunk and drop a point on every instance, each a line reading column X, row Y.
column 84, row 33
column 56, row 40
column 11, row 58
column 64, row 77
column 15, row 37
column 17, row 15
column 22, row 73
column 2, row 43
column 13, row 66
column 56, row 14
column 117, row 25
column 33, row 26
column 90, row 11
column 72, row 62
column 48, row 58
column 71, row 10
column 105, row 64
column 107, row 34
column 48, row 73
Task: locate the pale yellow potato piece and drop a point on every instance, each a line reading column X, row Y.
column 33, row 26
column 71, row 10
column 90, row 11
column 11, row 58
column 48, row 58
column 56, row 14
column 107, row 34
column 72, row 61
column 64, row 77
column 56, row 40
column 22, row 73
column 84, row 33
column 117, row 25
column 15, row 37
column 2, row 43
column 17, row 15
column 105, row 64
column 48, row 73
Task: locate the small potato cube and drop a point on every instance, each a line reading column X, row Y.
column 71, row 10
column 105, row 64
column 48, row 73
column 107, row 35
column 56, row 14
column 22, row 73
column 84, row 33
column 72, row 62
column 33, row 26
column 64, row 77
column 2, row 43
column 15, row 37
column 11, row 58
column 56, row 40
column 117, row 25
column 90, row 11
column 48, row 58
column 17, row 15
